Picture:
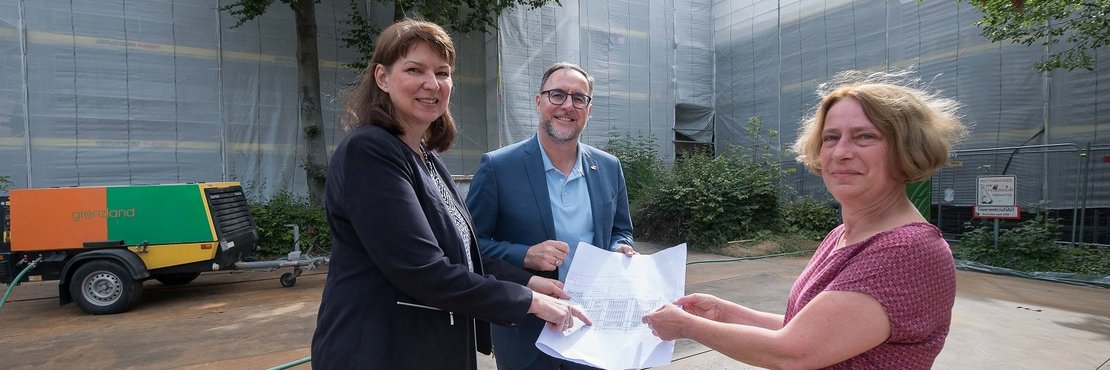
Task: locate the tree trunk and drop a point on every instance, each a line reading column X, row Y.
column 308, row 92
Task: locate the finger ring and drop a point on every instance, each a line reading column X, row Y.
column 558, row 261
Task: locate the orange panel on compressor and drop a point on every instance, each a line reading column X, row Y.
column 39, row 216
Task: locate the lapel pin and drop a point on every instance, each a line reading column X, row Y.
column 593, row 167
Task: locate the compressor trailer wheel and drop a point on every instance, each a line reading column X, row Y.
column 104, row 287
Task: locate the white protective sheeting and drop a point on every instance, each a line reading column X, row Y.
column 111, row 92
column 699, row 70
column 164, row 91
column 627, row 46
column 99, row 92
column 771, row 55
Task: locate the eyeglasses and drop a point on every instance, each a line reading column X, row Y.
column 558, row 97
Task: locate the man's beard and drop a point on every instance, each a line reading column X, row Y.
column 558, row 136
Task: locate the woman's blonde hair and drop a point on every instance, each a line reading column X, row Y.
column 368, row 104
column 921, row 127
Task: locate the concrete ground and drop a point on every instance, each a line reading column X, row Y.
column 998, row 322
column 245, row 320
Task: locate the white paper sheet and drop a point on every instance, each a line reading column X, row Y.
column 616, row 291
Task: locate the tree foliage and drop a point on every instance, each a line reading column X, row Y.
column 1080, row 26
column 361, row 36
column 460, row 16
column 464, row 16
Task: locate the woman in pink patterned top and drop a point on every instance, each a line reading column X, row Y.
column 879, row 290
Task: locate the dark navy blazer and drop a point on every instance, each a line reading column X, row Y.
column 512, row 211
column 398, row 294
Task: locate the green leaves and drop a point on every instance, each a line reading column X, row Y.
column 1075, row 28
column 464, row 16
column 707, row 201
column 1029, row 246
column 276, row 239
column 639, row 161
column 459, row 16
column 809, row 218
column 361, row 36
column 247, row 10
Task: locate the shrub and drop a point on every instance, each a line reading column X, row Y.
column 704, row 200
column 708, row 201
column 6, row 183
column 276, row 239
column 976, row 243
column 639, row 161
column 1029, row 245
column 808, row 218
column 1084, row 259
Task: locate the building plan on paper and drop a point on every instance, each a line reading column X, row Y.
column 616, row 291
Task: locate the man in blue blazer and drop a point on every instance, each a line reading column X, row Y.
column 533, row 201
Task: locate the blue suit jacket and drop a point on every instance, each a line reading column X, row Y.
column 509, row 203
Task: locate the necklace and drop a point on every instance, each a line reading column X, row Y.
column 424, row 154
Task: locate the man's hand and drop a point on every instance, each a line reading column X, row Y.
column 546, row 256
column 627, row 250
column 547, row 286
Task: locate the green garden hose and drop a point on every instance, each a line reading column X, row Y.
column 291, row 364
column 734, row 259
column 16, row 280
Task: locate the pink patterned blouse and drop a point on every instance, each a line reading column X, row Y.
column 909, row 270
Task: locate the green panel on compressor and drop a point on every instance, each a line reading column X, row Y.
column 157, row 214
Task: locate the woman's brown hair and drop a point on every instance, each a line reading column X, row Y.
column 368, row 104
column 922, row 127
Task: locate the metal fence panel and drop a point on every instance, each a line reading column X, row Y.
column 1064, row 180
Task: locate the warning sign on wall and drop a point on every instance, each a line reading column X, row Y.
column 996, row 197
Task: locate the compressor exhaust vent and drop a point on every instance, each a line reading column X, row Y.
column 230, row 212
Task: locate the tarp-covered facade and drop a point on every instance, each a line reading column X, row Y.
column 771, row 55
column 731, row 61
column 155, row 91
column 109, row 92
column 106, row 92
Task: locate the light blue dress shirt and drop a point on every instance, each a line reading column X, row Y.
column 570, row 207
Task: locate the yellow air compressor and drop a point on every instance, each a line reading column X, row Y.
column 101, row 242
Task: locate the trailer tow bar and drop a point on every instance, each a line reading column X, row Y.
column 295, row 259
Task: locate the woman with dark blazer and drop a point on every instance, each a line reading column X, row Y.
column 407, row 287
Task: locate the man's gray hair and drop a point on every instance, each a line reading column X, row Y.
column 564, row 65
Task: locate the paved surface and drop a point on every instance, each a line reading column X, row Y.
column 246, row 320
